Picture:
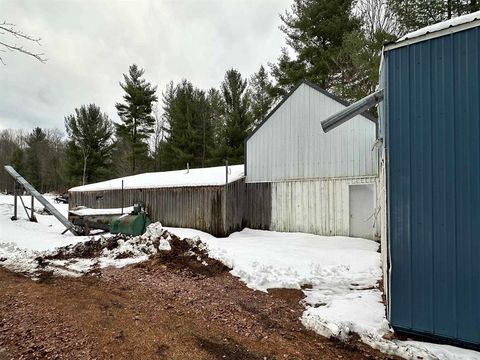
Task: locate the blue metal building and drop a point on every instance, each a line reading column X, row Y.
column 430, row 124
column 429, row 107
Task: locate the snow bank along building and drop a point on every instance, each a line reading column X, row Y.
column 209, row 199
column 299, row 178
column 430, row 178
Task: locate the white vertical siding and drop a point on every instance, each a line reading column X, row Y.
column 314, row 206
column 382, row 196
column 291, row 144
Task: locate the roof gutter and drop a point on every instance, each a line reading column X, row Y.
column 351, row 111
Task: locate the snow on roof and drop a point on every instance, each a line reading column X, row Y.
column 85, row 211
column 435, row 28
column 179, row 178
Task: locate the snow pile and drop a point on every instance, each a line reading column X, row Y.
column 116, row 251
column 339, row 311
column 17, row 259
column 339, row 277
column 213, row 176
column 39, row 247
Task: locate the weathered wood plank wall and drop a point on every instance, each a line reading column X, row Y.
column 235, row 202
column 257, row 212
column 193, row 207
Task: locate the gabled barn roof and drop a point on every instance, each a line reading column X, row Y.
column 313, row 86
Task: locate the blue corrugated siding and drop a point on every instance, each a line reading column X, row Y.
column 433, row 146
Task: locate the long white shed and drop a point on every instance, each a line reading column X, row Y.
column 308, row 180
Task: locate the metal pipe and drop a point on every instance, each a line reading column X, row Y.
column 14, row 201
column 351, row 111
column 24, row 206
column 32, row 215
column 225, row 201
column 226, row 172
column 122, row 197
column 30, row 189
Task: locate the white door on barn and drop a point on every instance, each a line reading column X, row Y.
column 361, row 205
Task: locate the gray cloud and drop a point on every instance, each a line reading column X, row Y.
column 90, row 44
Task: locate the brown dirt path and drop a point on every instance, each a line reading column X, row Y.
column 160, row 309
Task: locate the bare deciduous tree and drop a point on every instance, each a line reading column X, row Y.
column 159, row 133
column 9, row 34
column 157, row 137
column 376, row 16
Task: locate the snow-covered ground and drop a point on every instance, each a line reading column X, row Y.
column 42, row 235
column 339, row 275
column 22, row 241
column 342, row 275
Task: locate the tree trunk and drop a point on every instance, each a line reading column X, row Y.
column 134, row 141
column 204, row 145
column 85, row 156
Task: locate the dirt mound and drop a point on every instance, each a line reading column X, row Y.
column 192, row 255
column 157, row 244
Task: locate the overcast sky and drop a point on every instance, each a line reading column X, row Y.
column 90, row 44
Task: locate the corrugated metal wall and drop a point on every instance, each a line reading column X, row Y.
column 198, row 207
column 383, row 215
column 315, row 206
column 292, row 145
column 433, row 130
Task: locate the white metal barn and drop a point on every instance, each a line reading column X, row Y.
column 307, row 180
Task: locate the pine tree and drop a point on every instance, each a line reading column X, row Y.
column 12, row 144
column 238, row 117
column 216, row 114
column 359, row 57
column 136, row 115
column 17, row 159
column 37, row 147
column 315, row 30
column 287, row 73
column 121, row 153
column 89, row 147
column 359, row 61
column 260, row 89
column 53, row 162
column 189, row 128
column 415, row 14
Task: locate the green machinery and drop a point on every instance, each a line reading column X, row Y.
column 133, row 221
column 133, row 224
